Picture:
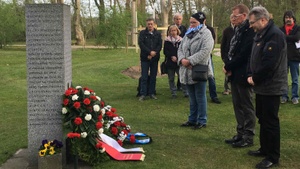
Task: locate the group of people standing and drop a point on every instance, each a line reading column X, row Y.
column 256, row 56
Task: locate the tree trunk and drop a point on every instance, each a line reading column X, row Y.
column 165, row 8
column 101, row 8
column 78, row 31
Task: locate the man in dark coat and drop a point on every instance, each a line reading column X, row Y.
column 236, row 68
column 268, row 76
column 292, row 35
column 150, row 43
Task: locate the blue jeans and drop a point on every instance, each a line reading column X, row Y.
column 294, row 70
column 146, row 66
column 198, row 102
column 212, row 84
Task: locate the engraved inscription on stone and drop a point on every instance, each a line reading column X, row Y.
column 49, row 71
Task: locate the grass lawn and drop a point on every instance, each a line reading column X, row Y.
column 173, row 146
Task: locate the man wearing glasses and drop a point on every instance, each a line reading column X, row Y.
column 268, row 77
column 236, row 69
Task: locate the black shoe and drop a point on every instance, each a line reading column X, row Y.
column 199, row 126
column 265, row 164
column 187, row 124
column 243, row 143
column 216, row 100
column 234, row 139
column 256, row 153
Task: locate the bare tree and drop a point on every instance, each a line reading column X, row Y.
column 165, row 8
column 101, row 7
column 77, row 23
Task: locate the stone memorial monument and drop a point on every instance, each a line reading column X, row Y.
column 49, row 72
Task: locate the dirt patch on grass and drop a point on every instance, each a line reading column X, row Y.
column 135, row 72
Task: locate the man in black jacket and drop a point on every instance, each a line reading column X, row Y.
column 150, row 43
column 292, row 35
column 236, row 68
column 268, row 76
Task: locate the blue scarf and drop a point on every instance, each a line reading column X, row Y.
column 194, row 29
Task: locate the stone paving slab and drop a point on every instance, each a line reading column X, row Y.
column 19, row 161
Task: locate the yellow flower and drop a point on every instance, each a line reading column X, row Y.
column 52, row 151
column 47, row 146
column 42, row 152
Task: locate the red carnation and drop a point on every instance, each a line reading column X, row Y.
column 114, row 131
column 102, row 104
column 109, row 114
column 73, row 135
column 132, row 139
column 123, row 124
column 98, row 125
column 66, row 102
column 76, row 105
column 77, row 135
column 86, row 101
column 78, row 121
column 113, row 110
column 125, row 132
column 120, row 142
column 117, row 123
column 68, row 92
column 99, row 145
column 74, row 91
column 92, row 97
column 100, row 117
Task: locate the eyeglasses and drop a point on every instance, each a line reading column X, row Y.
column 193, row 22
column 253, row 22
column 235, row 16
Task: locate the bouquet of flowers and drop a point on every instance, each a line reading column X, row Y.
column 83, row 120
column 115, row 124
column 50, row 147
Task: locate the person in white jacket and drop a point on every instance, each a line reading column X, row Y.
column 195, row 48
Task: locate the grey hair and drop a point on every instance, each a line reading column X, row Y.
column 177, row 14
column 260, row 12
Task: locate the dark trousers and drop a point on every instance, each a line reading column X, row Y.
column 267, row 108
column 146, row 67
column 212, row 83
column 242, row 99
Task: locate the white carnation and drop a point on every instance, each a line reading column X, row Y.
column 75, row 97
column 100, row 131
column 103, row 111
column 83, row 134
column 98, row 98
column 102, row 150
column 64, row 110
column 88, row 117
column 86, row 92
column 96, row 108
column 78, row 87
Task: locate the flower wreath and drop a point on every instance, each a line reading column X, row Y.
column 82, row 116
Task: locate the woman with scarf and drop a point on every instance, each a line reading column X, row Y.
column 171, row 45
column 195, row 48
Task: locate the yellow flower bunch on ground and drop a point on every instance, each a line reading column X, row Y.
column 50, row 147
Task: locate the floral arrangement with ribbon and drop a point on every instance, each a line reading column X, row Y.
column 115, row 124
column 50, row 147
column 85, row 116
